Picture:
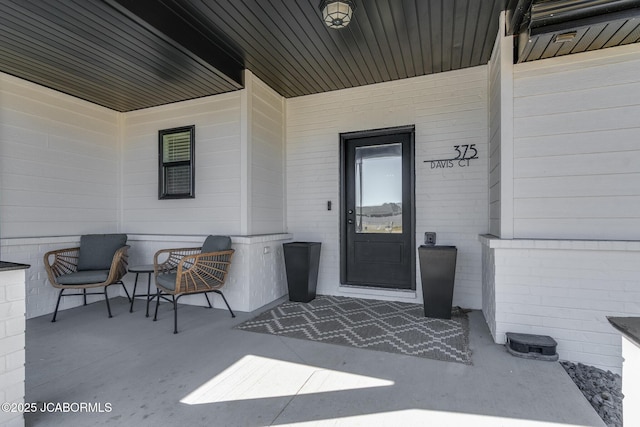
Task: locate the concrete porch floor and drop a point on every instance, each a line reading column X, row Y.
column 213, row 375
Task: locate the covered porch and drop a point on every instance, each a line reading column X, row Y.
column 545, row 216
column 213, row 374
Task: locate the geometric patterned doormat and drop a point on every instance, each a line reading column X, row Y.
column 394, row 327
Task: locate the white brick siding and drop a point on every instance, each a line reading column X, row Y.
column 40, row 295
column 12, row 344
column 447, row 109
column 489, row 288
column 565, row 289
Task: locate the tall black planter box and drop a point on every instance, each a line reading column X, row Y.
column 302, row 260
column 438, row 271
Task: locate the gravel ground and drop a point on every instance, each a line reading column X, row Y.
column 602, row 389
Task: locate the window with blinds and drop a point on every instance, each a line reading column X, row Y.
column 177, row 170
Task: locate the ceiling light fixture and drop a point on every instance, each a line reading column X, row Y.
column 337, row 14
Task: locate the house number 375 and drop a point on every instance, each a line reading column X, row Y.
column 464, row 152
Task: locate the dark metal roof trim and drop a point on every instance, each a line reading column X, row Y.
column 171, row 27
column 552, row 16
column 132, row 54
column 518, row 12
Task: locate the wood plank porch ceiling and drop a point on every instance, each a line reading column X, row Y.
column 133, row 54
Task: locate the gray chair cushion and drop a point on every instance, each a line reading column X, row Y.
column 83, row 277
column 97, row 250
column 216, row 244
column 168, row 281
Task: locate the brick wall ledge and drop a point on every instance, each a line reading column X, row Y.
column 247, row 240
column 257, row 238
column 628, row 326
column 559, row 244
column 9, row 266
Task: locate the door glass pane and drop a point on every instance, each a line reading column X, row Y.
column 379, row 189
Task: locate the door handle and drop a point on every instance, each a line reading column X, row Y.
column 350, row 211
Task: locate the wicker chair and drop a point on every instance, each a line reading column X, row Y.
column 99, row 262
column 189, row 271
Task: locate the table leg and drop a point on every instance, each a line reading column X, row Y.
column 135, row 284
column 148, row 291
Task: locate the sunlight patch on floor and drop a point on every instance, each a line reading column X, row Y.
column 423, row 417
column 255, row 377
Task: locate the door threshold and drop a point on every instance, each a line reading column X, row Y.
column 371, row 292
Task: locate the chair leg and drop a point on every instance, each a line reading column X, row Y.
column 209, row 302
column 106, row 298
column 175, row 314
column 135, row 285
column 155, row 316
column 84, row 295
column 55, row 313
column 225, row 301
column 126, row 291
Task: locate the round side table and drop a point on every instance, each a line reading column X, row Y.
column 141, row 269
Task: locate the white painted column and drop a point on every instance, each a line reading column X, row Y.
column 246, row 110
column 506, row 132
column 12, row 343
column 630, row 382
column 630, row 329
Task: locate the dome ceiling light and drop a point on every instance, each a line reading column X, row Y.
column 337, row 14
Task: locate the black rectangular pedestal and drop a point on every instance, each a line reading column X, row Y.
column 438, row 270
column 302, row 261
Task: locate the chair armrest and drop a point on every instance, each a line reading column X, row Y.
column 203, row 272
column 119, row 264
column 173, row 259
column 65, row 261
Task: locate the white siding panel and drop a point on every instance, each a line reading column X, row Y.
column 619, row 163
column 267, row 160
column 495, row 133
column 599, row 228
column 59, row 163
column 579, row 121
column 589, row 70
column 578, row 186
column 577, row 158
column 598, row 142
column 580, row 207
column 581, row 99
column 500, row 87
column 447, row 109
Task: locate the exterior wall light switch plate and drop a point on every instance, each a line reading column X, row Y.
column 430, row 238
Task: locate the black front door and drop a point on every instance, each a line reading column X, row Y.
column 377, row 216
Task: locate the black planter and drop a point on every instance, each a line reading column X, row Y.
column 302, row 260
column 438, row 272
